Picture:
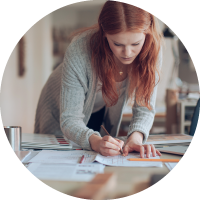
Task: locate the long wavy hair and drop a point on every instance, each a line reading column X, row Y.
column 116, row 17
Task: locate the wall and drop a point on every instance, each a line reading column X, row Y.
column 19, row 95
column 187, row 67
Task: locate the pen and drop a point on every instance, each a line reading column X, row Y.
column 82, row 158
column 155, row 160
column 109, row 135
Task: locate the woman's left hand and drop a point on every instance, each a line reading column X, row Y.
column 134, row 143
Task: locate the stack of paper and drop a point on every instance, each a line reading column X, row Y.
column 67, row 157
column 64, row 165
column 65, row 172
column 74, row 157
column 45, row 141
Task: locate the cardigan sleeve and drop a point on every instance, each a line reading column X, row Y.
column 72, row 97
column 142, row 119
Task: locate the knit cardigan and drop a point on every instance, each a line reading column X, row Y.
column 67, row 100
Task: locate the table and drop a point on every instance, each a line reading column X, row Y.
column 130, row 180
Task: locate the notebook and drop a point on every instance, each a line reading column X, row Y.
column 179, row 150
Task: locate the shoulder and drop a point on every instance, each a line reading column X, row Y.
column 83, row 38
column 79, row 48
column 77, row 59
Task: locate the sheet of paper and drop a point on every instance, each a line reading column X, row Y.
column 123, row 162
column 171, row 165
column 74, row 157
column 65, row 172
column 70, row 157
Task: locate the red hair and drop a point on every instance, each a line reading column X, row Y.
column 118, row 17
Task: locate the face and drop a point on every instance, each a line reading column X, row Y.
column 126, row 46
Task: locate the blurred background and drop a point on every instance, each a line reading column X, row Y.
column 42, row 48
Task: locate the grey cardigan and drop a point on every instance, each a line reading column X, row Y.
column 67, row 99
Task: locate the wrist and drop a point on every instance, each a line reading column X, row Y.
column 94, row 142
column 137, row 137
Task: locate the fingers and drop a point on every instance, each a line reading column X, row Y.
column 148, row 151
column 120, row 142
column 126, row 150
column 106, row 144
column 112, row 140
column 158, row 152
column 141, row 151
column 153, row 150
column 110, row 147
column 109, row 152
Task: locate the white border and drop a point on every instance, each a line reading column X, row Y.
column 17, row 17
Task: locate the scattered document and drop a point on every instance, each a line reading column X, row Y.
column 68, row 157
column 171, row 165
column 74, row 157
column 122, row 161
column 65, row 172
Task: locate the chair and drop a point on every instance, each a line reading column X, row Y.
column 195, row 118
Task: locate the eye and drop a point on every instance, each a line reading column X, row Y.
column 117, row 44
column 135, row 44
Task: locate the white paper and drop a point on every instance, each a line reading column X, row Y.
column 171, row 165
column 70, row 157
column 123, row 162
column 74, row 157
column 65, row 172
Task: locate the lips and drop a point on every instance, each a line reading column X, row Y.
column 127, row 58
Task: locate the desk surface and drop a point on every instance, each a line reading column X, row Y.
column 130, row 180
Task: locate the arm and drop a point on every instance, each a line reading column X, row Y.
column 72, row 98
column 141, row 124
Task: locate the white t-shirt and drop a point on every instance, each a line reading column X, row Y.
column 99, row 102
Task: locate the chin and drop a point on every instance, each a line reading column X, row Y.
column 126, row 62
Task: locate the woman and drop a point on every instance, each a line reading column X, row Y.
column 104, row 66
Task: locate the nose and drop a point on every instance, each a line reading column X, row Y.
column 127, row 51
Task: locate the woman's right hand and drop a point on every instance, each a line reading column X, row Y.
column 106, row 146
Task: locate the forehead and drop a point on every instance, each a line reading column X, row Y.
column 126, row 37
